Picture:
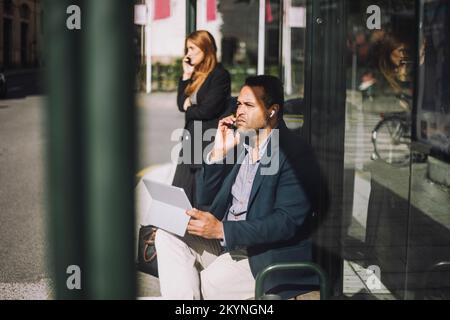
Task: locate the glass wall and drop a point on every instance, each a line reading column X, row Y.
column 234, row 25
column 293, row 47
column 428, row 258
column 373, row 93
column 395, row 213
column 380, row 51
column 272, row 33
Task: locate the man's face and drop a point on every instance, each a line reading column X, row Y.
column 251, row 113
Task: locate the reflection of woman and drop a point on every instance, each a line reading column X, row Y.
column 203, row 94
column 395, row 64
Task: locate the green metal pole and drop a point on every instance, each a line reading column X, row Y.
column 64, row 148
column 191, row 16
column 110, row 142
column 280, row 40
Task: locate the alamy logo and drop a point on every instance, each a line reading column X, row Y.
column 374, row 20
column 373, row 282
column 74, row 280
column 74, row 20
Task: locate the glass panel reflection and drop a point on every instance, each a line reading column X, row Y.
column 397, row 243
column 377, row 149
column 292, row 58
column 428, row 262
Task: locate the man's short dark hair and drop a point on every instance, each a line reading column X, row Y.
column 273, row 90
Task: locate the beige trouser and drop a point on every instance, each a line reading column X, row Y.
column 189, row 265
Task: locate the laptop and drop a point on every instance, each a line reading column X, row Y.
column 168, row 207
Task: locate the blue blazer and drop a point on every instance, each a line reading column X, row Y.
column 277, row 227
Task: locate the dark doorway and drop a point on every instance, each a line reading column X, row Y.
column 24, row 43
column 7, row 41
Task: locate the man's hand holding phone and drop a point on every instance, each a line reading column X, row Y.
column 188, row 68
column 226, row 138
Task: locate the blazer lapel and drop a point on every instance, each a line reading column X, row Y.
column 255, row 188
column 272, row 154
column 234, row 172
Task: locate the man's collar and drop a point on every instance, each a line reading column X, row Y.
column 263, row 147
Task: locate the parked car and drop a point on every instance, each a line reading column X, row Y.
column 3, row 84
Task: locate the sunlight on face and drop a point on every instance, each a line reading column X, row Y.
column 194, row 53
column 251, row 113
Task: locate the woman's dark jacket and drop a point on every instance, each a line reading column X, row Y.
column 212, row 101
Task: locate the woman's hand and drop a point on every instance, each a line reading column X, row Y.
column 188, row 69
column 187, row 104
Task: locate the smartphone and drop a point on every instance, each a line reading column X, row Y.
column 233, row 126
column 406, row 62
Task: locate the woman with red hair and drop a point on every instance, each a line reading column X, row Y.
column 204, row 91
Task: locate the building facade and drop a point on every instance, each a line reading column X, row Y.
column 21, row 33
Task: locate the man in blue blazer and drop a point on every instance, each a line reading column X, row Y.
column 256, row 210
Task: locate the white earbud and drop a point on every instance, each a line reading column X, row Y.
column 272, row 113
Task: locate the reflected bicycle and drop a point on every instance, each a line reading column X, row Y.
column 391, row 139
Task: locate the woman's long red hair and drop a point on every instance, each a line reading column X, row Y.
column 391, row 42
column 205, row 41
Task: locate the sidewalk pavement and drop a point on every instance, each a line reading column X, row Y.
column 148, row 286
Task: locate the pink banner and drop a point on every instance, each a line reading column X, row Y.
column 211, row 10
column 269, row 17
column 162, row 9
